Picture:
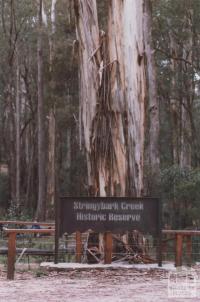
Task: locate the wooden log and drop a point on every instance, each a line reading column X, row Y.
column 108, row 247
column 11, row 255
column 78, row 247
column 179, row 249
column 93, row 255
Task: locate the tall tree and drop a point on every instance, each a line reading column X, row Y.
column 187, row 97
column 18, row 126
column 89, row 64
column 153, row 150
column 174, row 104
column 113, row 93
column 11, row 88
column 41, row 205
column 52, row 121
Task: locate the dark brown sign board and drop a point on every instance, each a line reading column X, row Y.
column 103, row 214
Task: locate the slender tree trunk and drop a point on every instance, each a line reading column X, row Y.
column 52, row 124
column 51, row 164
column 18, row 113
column 174, row 104
column 181, row 108
column 30, row 148
column 41, row 205
column 69, row 152
column 185, row 148
column 153, row 104
column 187, row 98
column 9, row 30
column 9, row 139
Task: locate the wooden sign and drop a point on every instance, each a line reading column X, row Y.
column 107, row 215
column 114, row 214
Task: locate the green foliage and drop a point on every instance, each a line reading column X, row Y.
column 40, row 273
column 16, row 212
column 181, row 195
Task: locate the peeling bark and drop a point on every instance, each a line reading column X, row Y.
column 113, row 94
column 88, row 36
column 128, row 90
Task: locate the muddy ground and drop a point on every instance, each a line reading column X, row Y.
column 116, row 285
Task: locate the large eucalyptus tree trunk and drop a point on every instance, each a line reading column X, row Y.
column 113, row 95
column 90, row 59
column 126, row 98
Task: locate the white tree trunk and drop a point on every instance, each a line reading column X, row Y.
column 113, row 94
column 128, row 91
column 88, row 36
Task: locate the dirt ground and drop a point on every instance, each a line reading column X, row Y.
column 113, row 285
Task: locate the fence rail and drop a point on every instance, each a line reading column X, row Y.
column 178, row 236
column 20, row 223
column 12, row 245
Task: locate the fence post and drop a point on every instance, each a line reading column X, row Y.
column 11, row 255
column 179, row 249
column 189, row 249
column 108, row 248
column 78, row 247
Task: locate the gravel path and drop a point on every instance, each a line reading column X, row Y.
column 91, row 286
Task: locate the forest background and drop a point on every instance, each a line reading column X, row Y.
column 42, row 141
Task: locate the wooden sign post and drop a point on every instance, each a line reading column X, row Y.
column 108, row 247
column 12, row 246
column 78, row 247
